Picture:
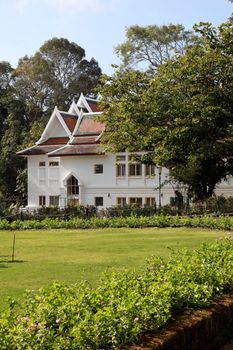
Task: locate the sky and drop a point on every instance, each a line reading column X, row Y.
column 98, row 26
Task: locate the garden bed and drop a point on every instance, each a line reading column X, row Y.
column 207, row 329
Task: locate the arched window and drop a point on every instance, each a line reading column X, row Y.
column 72, row 186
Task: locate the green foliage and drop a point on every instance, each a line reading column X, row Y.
column 153, row 45
column 128, row 210
column 54, row 76
column 126, row 117
column 219, row 223
column 10, row 163
column 122, row 307
column 192, row 99
column 182, row 117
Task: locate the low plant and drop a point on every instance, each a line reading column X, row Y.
column 79, row 317
column 212, row 222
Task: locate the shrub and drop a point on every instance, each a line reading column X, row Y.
column 219, row 223
column 78, row 317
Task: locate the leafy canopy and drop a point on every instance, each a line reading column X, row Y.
column 55, row 75
column 183, row 116
column 153, row 45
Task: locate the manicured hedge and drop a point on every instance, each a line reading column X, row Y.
column 222, row 222
column 78, row 317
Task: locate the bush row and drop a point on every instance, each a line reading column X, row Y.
column 222, row 222
column 124, row 305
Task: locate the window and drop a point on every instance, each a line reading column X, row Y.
column 149, row 202
column 121, row 201
column 120, row 166
column 99, row 201
column 135, row 201
column 120, row 158
column 72, row 186
column 52, row 163
column 120, row 170
column 41, row 163
column 53, row 201
column 98, row 168
column 149, row 170
column 42, row 201
column 135, row 168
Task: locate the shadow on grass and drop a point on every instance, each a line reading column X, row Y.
column 6, row 259
column 16, row 261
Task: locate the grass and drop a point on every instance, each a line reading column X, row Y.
column 73, row 255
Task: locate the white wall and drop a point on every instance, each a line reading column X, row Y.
column 41, row 180
column 39, row 185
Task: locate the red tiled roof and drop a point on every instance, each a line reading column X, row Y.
column 78, row 150
column 94, row 106
column 89, row 126
column 70, row 120
column 56, row 141
column 37, row 150
column 85, row 139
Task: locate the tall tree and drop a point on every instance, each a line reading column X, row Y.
column 71, row 73
column 184, row 116
column 12, row 127
column 153, row 45
column 10, row 163
column 5, row 92
column 55, row 75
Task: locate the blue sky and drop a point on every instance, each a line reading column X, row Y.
column 96, row 25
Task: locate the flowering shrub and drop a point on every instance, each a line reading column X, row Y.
column 78, row 317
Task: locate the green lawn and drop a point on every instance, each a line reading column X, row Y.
column 72, row 255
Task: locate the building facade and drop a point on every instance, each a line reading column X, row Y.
column 69, row 166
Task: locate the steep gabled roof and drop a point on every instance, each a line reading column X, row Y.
column 83, row 105
column 71, row 133
column 56, row 141
column 56, row 127
column 70, row 120
column 85, row 139
column 77, row 150
column 89, row 125
column 38, row 150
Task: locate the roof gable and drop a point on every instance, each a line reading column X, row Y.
column 56, row 127
column 70, row 120
column 71, row 133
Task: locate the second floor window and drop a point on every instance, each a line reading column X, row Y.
column 135, row 168
column 120, row 170
column 53, row 163
column 120, row 166
column 149, row 170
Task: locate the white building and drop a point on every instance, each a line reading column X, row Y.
column 69, row 166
